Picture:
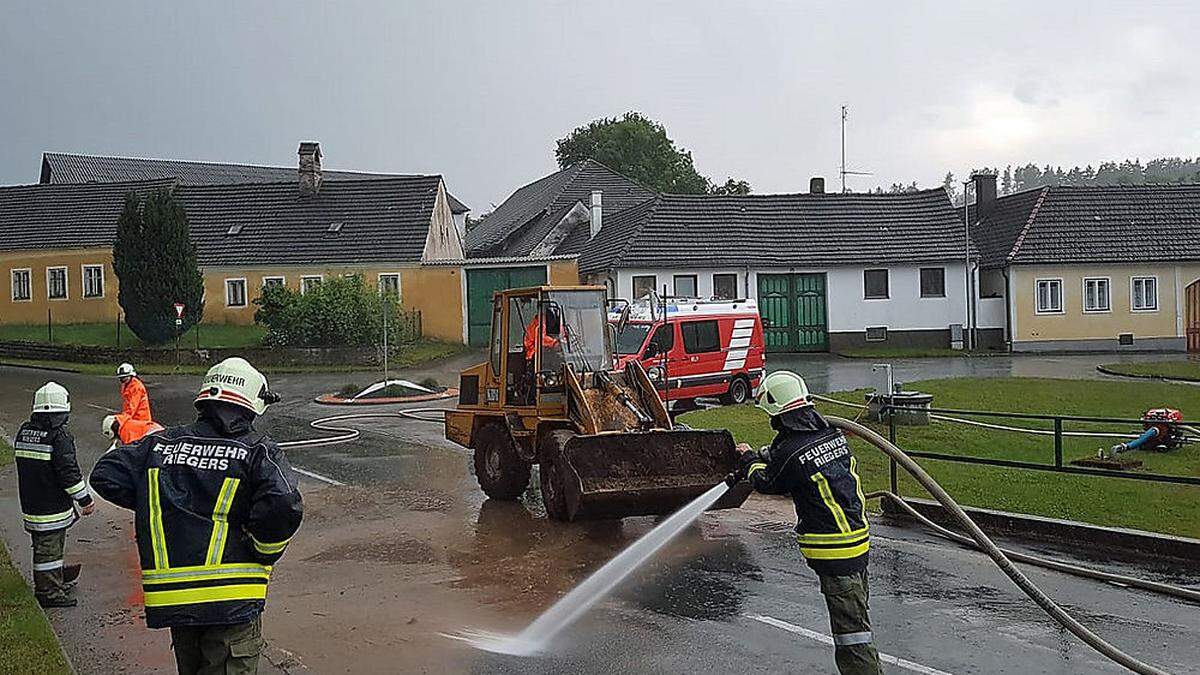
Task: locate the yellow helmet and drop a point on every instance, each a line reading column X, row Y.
column 780, row 392
column 235, row 381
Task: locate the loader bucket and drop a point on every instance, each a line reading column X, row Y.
column 613, row 475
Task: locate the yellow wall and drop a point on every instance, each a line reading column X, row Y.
column 75, row 308
column 1075, row 324
column 563, row 273
column 437, row 291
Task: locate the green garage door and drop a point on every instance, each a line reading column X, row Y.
column 482, row 283
column 794, row 307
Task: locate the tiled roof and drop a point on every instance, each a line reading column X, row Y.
column 792, row 230
column 65, row 216
column 60, row 167
column 382, row 219
column 522, row 222
column 1114, row 224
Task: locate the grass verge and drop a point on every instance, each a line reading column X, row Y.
column 105, row 335
column 27, row 643
column 1177, row 370
column 416, row 354
column 1171, row 509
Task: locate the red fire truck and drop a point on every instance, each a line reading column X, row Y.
column 704, row 348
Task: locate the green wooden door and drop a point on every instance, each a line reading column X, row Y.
column 794, row 306
column 482, row 283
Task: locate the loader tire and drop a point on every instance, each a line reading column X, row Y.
column 550, row 475
column 501, row 472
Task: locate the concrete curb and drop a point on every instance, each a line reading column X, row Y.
column 1101, row 539
column 32, row 366
column 1159, row 378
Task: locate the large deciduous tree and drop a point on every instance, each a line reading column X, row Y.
column 155, row 263
column 639, row 147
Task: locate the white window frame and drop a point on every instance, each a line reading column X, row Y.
column 12, row 285
column 308, row 277
column 83, row 278
column 245, row 292
column 1108, row 292
column 273, row 277
column 379, row 282
column 1062, row 304
column 1132, row 283
column 66, row 283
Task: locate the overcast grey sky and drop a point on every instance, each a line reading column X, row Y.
column 480, row 91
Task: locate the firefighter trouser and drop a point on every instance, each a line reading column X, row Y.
column 48, row 563
column 218, row 650
column 853, row 645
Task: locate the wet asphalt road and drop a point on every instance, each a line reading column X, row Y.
column 732, row 594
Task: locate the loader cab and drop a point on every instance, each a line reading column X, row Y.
column 535, row 332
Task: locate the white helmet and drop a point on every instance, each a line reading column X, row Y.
column 126, row 370
column 52, row 397
column 780, row 392
column 106, row 427
column 235, row 381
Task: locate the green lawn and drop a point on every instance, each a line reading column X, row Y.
column 1180, row 370
column 26, row 641
column 418, row 353
column 1173, row 509
column 105, row 335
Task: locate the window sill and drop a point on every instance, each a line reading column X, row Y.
column 1149, row 310
column 1050, row 312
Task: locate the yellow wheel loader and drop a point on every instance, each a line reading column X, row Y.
column 548, row 395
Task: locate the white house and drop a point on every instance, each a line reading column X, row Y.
column 830, row 271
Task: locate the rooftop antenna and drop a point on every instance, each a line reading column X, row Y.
column 844, row 171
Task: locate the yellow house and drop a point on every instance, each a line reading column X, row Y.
column 1092, row 268
column 397, row 231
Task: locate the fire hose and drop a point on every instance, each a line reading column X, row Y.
column 998, row 555
column 345, row 434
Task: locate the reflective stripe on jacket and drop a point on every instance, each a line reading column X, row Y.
column 212, row 515
column 818, row 471
column 48, row 476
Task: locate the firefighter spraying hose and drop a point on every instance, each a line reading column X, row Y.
column 993, row 551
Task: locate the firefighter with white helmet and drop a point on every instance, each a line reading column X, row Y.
column 52, row 492
column 217, row 499
column 811, row 461
column 135, row 403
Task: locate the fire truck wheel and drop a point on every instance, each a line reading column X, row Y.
column 739, row 391
column 501, row 472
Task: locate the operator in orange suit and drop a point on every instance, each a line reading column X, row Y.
column 533, row 330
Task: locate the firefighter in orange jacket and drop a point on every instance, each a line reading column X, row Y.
column 135, row 404
column 533, row 330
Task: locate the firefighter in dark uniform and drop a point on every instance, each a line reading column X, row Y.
column 215, row 505
column 52, row 491
column 811, row 461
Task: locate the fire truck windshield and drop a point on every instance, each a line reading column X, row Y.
column 630, row 341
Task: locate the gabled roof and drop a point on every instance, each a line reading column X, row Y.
column 382, row 219
column 789, row 230
column 524, row 220
column 65, row 216
column 1113, row 224
column 60, row 167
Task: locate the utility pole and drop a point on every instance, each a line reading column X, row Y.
column 969, row 333
column 843, row 148
column 844, row 171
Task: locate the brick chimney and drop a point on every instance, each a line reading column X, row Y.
column 597, row 211
column 816, row 185
column 985, row 188
column 310, row 168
